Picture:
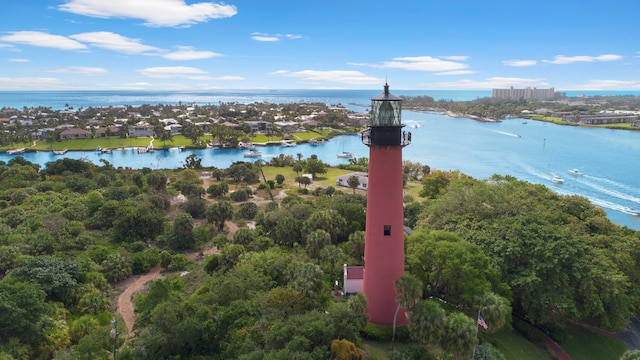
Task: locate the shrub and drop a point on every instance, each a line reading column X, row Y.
column 345, row 350
column 239, row 195
column 529, row 331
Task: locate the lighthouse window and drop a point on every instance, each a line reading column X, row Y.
column 387, row 230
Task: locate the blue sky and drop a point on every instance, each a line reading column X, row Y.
column 197, row 45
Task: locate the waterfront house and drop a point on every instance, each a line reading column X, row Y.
column 107, row 131
column 258, row 126
column 286, row 126
column 141, row 130
column 75, row 133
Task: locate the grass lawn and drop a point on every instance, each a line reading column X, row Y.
column 297, row 136
column 515, row 347
column 321, row 180
column 581, row 343
column 325, row 180
column 110, row 142
column 382, row 350
column 178, row 140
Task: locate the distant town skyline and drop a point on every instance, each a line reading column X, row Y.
column 199, row 45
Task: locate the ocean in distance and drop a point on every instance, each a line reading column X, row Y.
column 531, row 152
column 58, row 100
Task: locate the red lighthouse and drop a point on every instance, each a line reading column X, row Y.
column 384, row 236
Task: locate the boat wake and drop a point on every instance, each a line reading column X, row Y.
column 539, row 174
column 412, row 123
column 611, row 182
column 506, row 133
column 600, row 202
column 611, row 192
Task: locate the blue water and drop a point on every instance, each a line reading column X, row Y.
column 58, row 100
column 532, row 152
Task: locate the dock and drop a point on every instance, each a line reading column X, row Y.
column 16, row 151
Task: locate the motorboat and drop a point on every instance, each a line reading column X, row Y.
column 253, row 154
column 246, row 145
column 557, row 179
column 575, row 172
column 60, row 152
column 345, row 155
column 634, row 211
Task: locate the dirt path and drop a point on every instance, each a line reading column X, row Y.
column 133, row 284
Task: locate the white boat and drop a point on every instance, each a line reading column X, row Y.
column 557, row 179
column 245, row 145
column 253, row 154
column 60, row 152
column 634, row 211
column 16, row 151
column 345, row 155
column 288, row 143
column 575, row 172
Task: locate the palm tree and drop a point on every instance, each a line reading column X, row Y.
column 426, row 322
column 494, row 309
column 316, row 242
column 459, row 336
column 353, row 182
column 297, row 167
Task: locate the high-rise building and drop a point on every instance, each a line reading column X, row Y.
column 384, row 235
column 523, row 94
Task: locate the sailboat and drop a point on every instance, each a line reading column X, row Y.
column 344, row 154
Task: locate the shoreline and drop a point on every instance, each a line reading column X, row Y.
column 452, row 114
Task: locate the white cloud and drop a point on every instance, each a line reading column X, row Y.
column 115, row 42
column 19, row 60
column 34, row 83
column 490, row 83
column 188, row 53
column 258, row 36
column 562, row 59
column 607, row 85
column 42, row 39
column 81, row 70
column 456, row 72
column 165, row 72
column 155, row 13
column 337, row 76
column 264, row 37
column 519, row 63
column 419, row 63
column 455, row 58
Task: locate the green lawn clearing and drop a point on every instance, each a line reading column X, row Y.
column 581, row 343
